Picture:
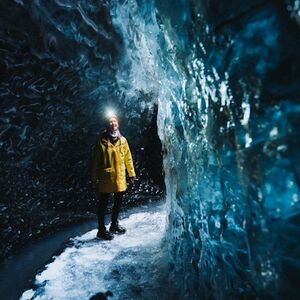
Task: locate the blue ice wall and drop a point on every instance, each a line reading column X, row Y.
column 230, row 130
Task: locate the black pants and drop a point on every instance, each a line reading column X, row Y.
column 102, row 207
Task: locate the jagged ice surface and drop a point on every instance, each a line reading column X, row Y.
column 225, row 77
column 228, row 118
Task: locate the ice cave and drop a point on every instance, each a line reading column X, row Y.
column 208, row 96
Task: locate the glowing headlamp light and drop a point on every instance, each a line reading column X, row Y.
column 110, row 113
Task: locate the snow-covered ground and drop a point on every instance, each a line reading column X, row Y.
column 132, row 266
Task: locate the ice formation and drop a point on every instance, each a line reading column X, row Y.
column 225, row 78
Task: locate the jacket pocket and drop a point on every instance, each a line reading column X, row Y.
column 106, row 174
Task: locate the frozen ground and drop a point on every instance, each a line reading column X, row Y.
column 132, row 266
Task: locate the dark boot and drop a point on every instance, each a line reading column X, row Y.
column 104, row 235
column 116, row 228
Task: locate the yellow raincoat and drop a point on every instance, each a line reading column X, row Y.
column 109, row 165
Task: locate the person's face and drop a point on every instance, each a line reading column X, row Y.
column 113, row 124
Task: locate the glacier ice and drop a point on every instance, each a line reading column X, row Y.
column 229, row 129
column 225, row 79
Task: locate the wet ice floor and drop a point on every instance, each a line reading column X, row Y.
column 132, row 266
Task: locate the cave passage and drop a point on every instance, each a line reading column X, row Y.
column 131, row 266
column 208, row 97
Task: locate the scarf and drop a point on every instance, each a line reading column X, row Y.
column 114, row 136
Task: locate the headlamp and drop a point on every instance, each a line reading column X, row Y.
column 110, row 113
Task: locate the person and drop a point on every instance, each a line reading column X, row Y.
column 111, row 159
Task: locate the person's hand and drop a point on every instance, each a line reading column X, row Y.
column 132, row 180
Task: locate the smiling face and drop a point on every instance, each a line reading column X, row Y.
column 113, row 124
